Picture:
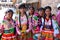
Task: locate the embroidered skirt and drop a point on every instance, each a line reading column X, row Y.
column 9, row 36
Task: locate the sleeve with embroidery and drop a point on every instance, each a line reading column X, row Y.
column 1, row 28
column 55, row 27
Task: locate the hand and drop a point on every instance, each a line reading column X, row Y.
column 18, row 25
column 27, row 31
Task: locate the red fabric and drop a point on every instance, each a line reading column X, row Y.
column 8, row 35
column 30, row 39
column 58, row 36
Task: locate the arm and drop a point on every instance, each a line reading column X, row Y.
column 55, row 27
column 42, row 24
column 17, row 25
column 58, row 19
column 18, row 31
column 1, row 30
column 30, row 26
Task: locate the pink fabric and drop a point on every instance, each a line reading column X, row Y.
column 24, row 22
column 33, row 24
column 58, row 17
column 12, row 22
column 36, row 14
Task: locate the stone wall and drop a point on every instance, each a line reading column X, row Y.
column 52, row 3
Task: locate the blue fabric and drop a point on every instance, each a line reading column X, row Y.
column 55, row 27
column 35, row 37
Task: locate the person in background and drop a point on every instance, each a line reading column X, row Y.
column 58, row 14
column 58, row 18
column 48, row 23
column 8, row 28
column 41, row 11
column 22, row 22
column 40, row 16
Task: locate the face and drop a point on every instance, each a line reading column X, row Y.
column 9, row 15
column 31, row 11
column 22, row 10
column 41, row 13
column 47, row 11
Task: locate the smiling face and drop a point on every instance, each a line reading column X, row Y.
column 22, row 10
column 41, row 13
column 48, row 12
column 8, row 15
column 31, row 10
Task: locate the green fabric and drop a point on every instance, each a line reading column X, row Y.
column 29, row 35
column 9, row 31
column 0, row 34
column 3, row 21
column 56, row 25
column 12, row 30
column 36, row 18
column 34, row 27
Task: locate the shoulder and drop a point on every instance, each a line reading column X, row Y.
column 42, row 19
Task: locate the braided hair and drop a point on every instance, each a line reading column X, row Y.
column 23, row 6
column 20, row 21
column 48, row 7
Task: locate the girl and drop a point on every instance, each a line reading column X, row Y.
column 58, row 15
column 48, row 24
column 31, row 22
column 8, row 28
column 22, row 22
column 40, row 16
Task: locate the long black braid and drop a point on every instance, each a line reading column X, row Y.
column 20, row 21
column 51, row 21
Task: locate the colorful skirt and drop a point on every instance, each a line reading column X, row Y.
column 47, row 35
column 30, row 35
column 23, row 36
column 36, row 35
column 9, row 36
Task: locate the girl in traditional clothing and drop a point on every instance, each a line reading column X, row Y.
column 48, row 24
column 8, row 27
column 32, row 22
column 40, row 16
column 58, row 15
column 22, row 22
